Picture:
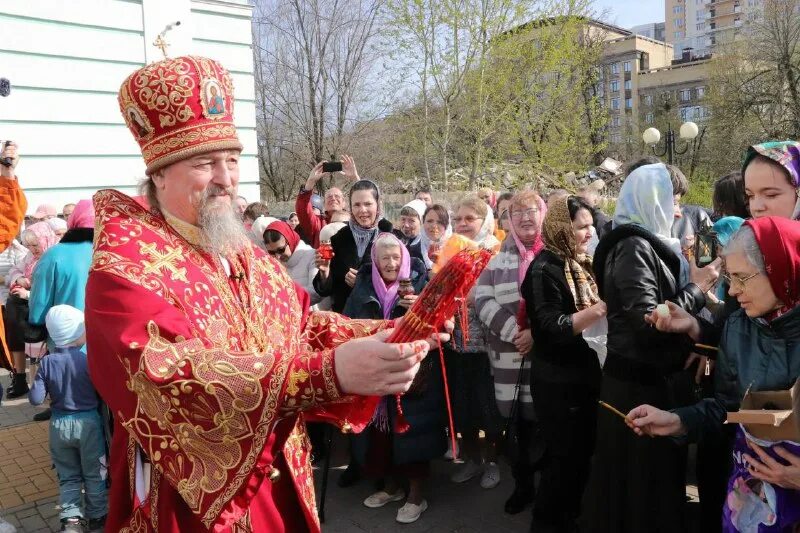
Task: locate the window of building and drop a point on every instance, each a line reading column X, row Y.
column 678, row 34
column 685, row 95
column 616, row 138
column 614, row 68
column 701, row 92
column 648, row 99
column 615, row 103
column 615, row 122
column 626, row 66
column 615, row 86
column 649, row 118
column 629, row 103
column 700, row 27
column 628, row 85
column 686, row 113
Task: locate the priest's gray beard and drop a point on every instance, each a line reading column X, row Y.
column 223, row 229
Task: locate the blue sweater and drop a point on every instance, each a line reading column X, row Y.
column 60, row 278
column 64, row 374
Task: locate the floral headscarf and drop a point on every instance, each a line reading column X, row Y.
column 779, row 241
column 46, row 237
column 387, row 294
column 787, row 155
column 560, row 240
column 646, row 199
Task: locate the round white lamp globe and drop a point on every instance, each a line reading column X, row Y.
column 689, row 130
column 651, row 136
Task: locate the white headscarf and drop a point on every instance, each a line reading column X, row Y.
column 64, row 324
column 425, row 242
column 487, row 230
column 256, row 232
column 419, row 207
column 646, row 199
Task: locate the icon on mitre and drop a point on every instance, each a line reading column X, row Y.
column 214, row 99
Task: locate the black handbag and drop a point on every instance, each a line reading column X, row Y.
column 17, row 309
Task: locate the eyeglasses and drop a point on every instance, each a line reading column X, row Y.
column 733, row 280
column 279, row 251
column 469, row 220
column 521, row 215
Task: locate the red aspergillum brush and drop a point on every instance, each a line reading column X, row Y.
column 440, row 299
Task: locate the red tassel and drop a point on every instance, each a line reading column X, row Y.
column 401, row 425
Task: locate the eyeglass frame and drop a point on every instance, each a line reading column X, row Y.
column 730, row 278
column 518, row 215
column 459, row 220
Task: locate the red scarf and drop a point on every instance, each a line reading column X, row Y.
column 779, row 240
column 291, row 236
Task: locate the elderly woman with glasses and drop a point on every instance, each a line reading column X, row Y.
column 759, row 351
column 497, row 302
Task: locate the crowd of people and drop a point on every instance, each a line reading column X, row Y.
column 594, row 347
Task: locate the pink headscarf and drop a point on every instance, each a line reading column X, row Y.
column 527, row 255
column 82, row 216
column 388, row 294
column 46, row 237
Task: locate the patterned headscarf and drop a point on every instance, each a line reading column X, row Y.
column 646, row 199
column 560, row 240
column 46, row 237
column 787, row 155
column 779, row 241
column 387, row 294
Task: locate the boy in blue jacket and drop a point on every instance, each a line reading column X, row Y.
column 77, row 442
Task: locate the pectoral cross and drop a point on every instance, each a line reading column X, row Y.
column 162, row 44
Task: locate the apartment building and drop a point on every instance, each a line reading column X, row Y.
column 654, row 30
column 702, row 25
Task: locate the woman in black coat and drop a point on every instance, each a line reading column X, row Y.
column 639, row 484
column 562, row 301
column 352, row 244
column 379, row 449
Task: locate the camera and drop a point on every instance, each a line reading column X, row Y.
column 332, row 166
column 6, row 161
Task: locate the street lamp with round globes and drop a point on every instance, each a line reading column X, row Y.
column 688, row 132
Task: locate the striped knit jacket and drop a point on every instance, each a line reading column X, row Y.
column 497, row 303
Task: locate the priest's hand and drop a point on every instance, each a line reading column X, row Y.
column 370, row 367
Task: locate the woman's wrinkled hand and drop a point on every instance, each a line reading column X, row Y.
column 677, row 321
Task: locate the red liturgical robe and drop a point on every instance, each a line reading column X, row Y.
column 209, row 376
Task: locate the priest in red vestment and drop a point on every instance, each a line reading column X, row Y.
column 201, row 344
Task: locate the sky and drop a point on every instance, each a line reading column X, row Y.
column 627, row 13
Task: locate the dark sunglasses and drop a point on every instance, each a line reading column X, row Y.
column 279, row 251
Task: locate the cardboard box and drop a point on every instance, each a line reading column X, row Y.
column 768, row 415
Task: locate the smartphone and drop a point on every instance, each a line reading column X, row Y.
column 332, row 166
column 705, row 248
